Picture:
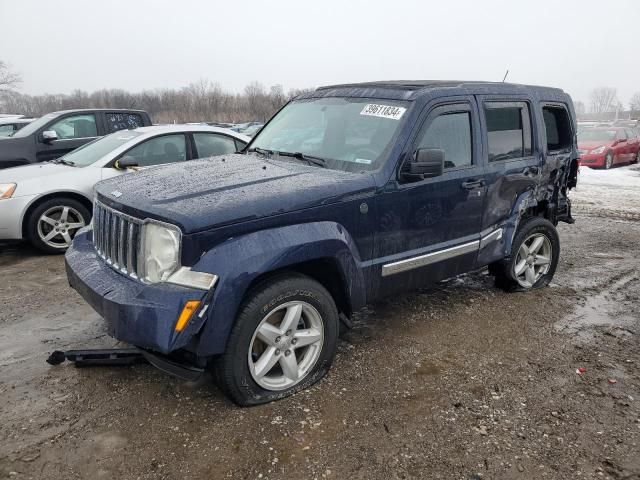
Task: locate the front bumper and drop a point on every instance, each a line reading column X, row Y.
column 140, row 314
column 11, row 215
column 589, row 160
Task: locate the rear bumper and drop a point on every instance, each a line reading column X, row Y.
column 11, row 215
column 136, row 313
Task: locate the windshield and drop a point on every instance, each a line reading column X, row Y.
column 350, row 134
column 35, row 125
column 593, row 135
column 94, row 151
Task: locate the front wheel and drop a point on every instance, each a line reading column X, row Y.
column 284, row 340
column 608, row 161
column 534, row 257
column 52, row 225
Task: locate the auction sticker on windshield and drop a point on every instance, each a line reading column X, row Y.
column 383, row 111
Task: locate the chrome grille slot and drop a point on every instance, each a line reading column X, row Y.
column 116, row 237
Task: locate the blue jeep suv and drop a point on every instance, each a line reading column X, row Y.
column 247, row 263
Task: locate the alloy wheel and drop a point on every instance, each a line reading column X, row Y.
column 286, row 345
column 58, row 225
column 533, row 260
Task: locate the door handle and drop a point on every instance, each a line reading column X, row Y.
column 471, row 184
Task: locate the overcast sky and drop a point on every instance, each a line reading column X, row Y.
column 90, row 44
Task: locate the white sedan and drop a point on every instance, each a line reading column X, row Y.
column 48, row 203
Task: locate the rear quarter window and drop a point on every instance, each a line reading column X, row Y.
column 557, row 127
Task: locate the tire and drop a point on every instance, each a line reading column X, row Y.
column 637, row 160
column 243, row 370
column 608, row 161
column 506, row 271
column 38, row 229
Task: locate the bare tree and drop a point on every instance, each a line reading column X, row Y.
column 9, row 80
column 634, row 104
column 604, row 99
column 579, row 107
column 199, row 101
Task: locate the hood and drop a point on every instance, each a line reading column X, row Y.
column 41, row 177
column 31, row 172
column 208, row 193
column 590, row 145
column 12, row 148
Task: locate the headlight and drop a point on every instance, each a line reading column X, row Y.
column 160, row 255
column 598, row 150
column 6, row 190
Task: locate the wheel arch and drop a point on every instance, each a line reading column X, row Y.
column 323, row 251
column 48, row 196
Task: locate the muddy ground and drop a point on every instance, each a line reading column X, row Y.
column 461, row 382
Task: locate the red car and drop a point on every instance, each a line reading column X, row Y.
column 608, row 146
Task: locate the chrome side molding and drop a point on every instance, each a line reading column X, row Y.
column 492, row 237
column 429, row 258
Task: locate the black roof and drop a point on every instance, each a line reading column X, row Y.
column 424, row 84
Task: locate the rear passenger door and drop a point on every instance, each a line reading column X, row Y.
column 513, row 166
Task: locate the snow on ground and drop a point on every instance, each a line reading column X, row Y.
column 616, row 190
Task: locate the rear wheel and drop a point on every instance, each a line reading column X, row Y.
column 534, row 258
column 52, row 225
column 283, row 341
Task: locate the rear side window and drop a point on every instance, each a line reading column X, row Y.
column 212, row 144
column 450, row 132
column 508, row 129
column 123, row 121
column 557, row 126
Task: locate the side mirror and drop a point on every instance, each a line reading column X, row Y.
column 126, row 162
column 49, row 136
column 426, row 163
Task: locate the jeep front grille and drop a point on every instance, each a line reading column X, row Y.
column 116, row 237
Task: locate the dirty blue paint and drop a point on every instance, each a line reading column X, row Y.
column 243, row 216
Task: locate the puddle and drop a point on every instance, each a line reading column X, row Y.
column 600, row 311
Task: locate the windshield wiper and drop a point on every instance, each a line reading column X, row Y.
column 310, row 159
column 63, row 161
column 262, row 151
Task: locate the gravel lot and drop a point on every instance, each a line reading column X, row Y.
column 460, row 382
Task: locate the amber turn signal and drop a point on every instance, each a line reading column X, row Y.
column 187, row 312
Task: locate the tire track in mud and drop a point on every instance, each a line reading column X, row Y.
column 614, row 214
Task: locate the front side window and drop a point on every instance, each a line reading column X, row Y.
column 93, row 151
column 6, row 130
column 123, row 121
column 597, row 135
column 450, row 132
column 159, row 150
column 350, row 134
column 212, row 144
column 621, row 135
column 76, row 126
column 508, row 129
column 557, row 128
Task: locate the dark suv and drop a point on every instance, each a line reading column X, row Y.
column 247, row 263
column 56, row 134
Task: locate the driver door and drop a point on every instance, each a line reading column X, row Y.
column 73, row 131
column 430, row 229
